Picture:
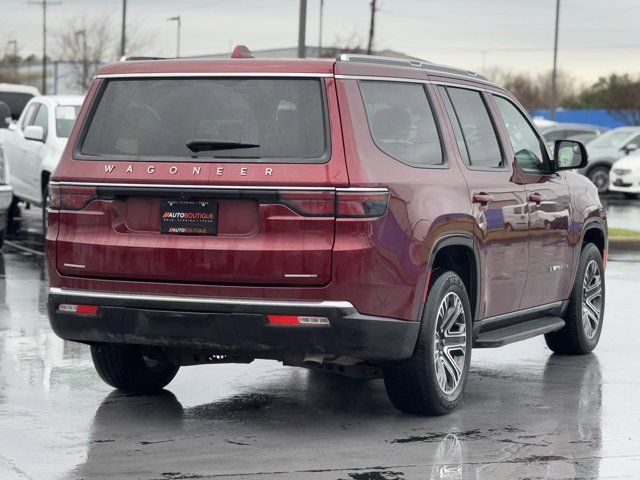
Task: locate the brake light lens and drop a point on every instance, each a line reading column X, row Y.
column 310, row 204
column 362, row 203
column 344, row 203
column 70, row 198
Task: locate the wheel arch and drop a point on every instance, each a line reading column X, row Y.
column 594, row 231
column 458, row 253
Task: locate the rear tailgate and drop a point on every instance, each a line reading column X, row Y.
column 227, row 216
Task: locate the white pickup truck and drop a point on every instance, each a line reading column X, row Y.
column 34, row 144
column 13, row 99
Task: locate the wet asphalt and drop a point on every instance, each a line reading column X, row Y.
column 527, row 414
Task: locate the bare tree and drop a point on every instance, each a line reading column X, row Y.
column 87, row 43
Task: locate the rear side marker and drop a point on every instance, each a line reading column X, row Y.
column 297, row 320
column 82, row 309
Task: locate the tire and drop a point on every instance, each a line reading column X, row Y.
column 582, row 329
column 508, row 227
column 2, row 233
column 599, row 176
column 127, row 369
column 421, row 385
column 630, row 196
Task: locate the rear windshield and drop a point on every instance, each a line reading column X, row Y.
column 16, row 102
column 240, row 119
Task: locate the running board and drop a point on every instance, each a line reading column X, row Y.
column 519, row 331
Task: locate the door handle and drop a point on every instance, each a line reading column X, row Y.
column 482, row 198
column 536, row 197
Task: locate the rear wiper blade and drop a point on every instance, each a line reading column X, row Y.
column 209, row 145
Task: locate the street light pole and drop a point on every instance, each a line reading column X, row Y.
column 554, row 73
column 177, row 19
column 44, row 4
column 85, row 67
column 302, row 29
column 123, row 35
column 320, row 30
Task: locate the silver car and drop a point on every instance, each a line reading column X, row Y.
column 605, row 150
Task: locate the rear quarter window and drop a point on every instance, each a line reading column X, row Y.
column 402, row 123
column 266, row 120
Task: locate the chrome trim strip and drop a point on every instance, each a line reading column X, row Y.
column 329, row 304
column 300, row 275
column 182, row 186
column 214, row 74
column 218, row 187
column 74, row 265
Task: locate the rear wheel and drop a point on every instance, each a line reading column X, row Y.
column 583, row 320
column 45, row 204
column 2, row 232
column 431, row 382
column 630, row 196
column 599, row 176
column 128, row 368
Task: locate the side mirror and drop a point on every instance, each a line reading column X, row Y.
column 569, row 154
column 34, row 132
column 630, row 147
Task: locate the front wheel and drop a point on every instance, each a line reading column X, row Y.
column 432, row 381
column 583, row 320
column 127, row 368
column 599, row 176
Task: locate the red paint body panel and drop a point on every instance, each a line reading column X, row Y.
column 380, row 265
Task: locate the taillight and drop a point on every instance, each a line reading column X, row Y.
column 70, row 198
column 361, row 203
column 309, row 203
column 345, row 203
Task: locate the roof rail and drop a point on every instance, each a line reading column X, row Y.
column 134, row 58
column 409, row 62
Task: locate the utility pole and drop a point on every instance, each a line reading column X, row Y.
column 320, row 30
column 123, row 35
column 554, row 73
column 177, row 19
column 44, row 4
column 85, row 60
column 371, row 26
column 302, row 29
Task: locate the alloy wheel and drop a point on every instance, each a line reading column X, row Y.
column 591, row 299
column 450, row 343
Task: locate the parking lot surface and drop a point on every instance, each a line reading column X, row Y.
column 526, row 413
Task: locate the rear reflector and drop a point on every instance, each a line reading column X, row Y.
column 72, row 308
column 297, row 320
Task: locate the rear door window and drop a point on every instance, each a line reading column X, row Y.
column 233, row 119
column 402, row 123
column 476, row 127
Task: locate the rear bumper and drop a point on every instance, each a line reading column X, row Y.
column 236, row 326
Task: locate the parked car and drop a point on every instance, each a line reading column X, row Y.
column 16, row 96
column 338, row 214
column 571, row 131
column 6, row 195
column 605, row 150
column 625, row 176
column 34, row 144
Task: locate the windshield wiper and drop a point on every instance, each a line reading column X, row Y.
column 209, row 145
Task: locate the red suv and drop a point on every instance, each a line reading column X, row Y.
column 368, row 216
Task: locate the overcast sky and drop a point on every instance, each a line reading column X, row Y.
column 596, row 37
